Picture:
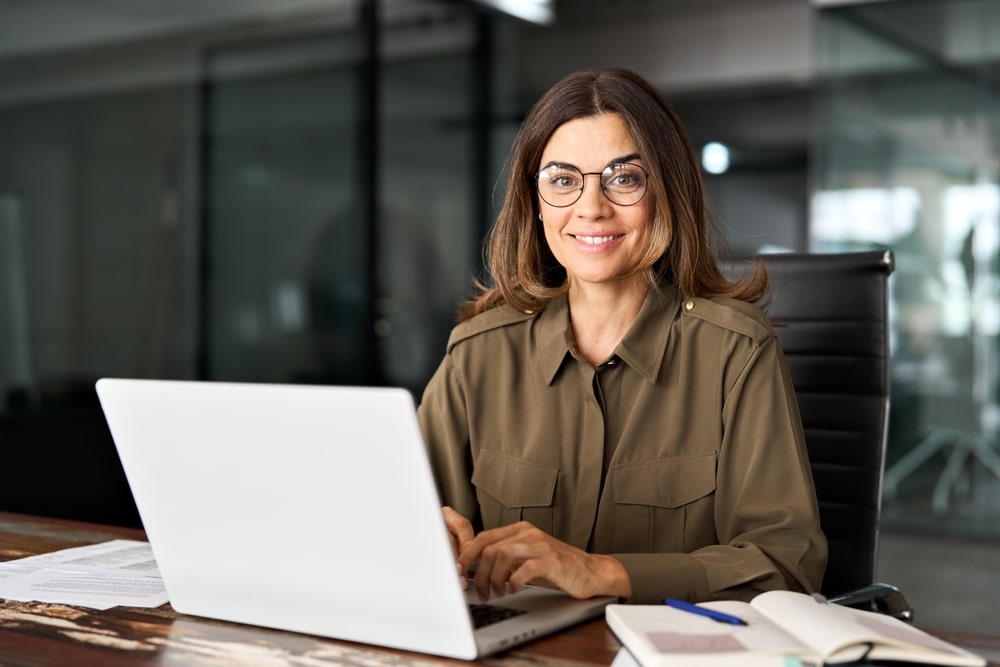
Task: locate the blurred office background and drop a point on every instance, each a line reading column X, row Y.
column 297, row 191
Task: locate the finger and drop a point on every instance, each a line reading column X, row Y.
column 460, row 529
column 490, row 580
column 531, row 571
column 482, row 575
column 460, row 533
column 471, row 552
column 487, row 537
column 531, row 557
column 485, row 549
column 480, row 553
column 501, row 560
column 506, row 557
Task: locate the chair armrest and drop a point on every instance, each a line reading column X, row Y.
column 883, row 598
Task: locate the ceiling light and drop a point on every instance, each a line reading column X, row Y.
column 536, row 11
column 715, row 158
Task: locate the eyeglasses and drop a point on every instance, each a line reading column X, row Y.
column 623, row 183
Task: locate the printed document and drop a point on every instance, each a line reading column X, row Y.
column 99, row 576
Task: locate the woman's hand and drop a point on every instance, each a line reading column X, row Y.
column 459, row 530
column 520, row 554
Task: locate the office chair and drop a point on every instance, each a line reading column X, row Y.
column 830, row 312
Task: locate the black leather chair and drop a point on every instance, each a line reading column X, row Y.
column 831, row 316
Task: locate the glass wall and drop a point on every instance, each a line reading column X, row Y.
column 240, row 191
column 281, row 159
column 297, row 266
column 906, row 157
column 215, row 225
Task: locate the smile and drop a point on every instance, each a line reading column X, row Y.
column 596, row 240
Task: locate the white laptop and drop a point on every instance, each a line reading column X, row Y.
column 310, row 509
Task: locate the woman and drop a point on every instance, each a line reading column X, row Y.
column 614, row 416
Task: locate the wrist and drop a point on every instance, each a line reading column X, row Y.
column 613, row 577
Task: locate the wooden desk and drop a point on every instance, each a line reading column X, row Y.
column 36, row 635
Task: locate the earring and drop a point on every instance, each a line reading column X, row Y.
column 540, row 217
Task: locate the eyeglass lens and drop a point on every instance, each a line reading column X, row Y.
column 561, row 185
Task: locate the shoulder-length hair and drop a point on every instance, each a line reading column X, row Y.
column 524, row 271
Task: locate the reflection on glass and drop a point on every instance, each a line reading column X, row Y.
column 903, row 164
column 287, row 255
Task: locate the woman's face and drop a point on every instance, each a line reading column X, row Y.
column 594, row 239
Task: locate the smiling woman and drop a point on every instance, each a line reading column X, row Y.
column 613, row 416
column 598, row 241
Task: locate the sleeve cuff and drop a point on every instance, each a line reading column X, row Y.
column 658, row 576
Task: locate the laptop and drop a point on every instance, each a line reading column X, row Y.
column 310, row 509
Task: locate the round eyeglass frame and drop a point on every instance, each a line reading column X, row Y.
column 601, row 174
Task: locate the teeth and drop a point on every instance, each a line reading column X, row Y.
column 594, row 240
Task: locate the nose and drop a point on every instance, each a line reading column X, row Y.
column 592, row 202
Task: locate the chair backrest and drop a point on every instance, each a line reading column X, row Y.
column 831, row 312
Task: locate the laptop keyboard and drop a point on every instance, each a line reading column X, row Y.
column 485, row 614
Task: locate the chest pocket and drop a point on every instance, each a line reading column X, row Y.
column 511, row 490
column 665, row 504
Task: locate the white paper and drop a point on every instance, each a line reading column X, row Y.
column 10, row 571
column 99, row 576
column 124, row 557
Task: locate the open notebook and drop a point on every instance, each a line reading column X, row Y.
column 778, row 628
column 306, row 508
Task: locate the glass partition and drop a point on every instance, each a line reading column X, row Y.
column 99, row 245
column 286, row 258
column 289, row 247
column 185, row 196
column 188, row 192
column 905, row 158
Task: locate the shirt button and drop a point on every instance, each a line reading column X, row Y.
column 689, row 305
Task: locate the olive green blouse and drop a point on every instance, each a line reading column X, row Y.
column 682, row 455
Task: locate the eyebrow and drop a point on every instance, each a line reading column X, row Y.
column 618, row 160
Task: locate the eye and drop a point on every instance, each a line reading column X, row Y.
column 624, row 177
column 559, row 179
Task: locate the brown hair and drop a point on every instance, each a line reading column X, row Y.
column 525, row 273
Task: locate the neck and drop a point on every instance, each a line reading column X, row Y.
column 601, row 315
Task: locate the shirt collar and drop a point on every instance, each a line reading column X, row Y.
column 553, row 337
column 642, row 348
column 645, row 344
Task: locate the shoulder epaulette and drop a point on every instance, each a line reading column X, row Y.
column 495, row 318
column 733, row 314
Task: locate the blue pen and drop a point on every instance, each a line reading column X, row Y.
column 702, row 611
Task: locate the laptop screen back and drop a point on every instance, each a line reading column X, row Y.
column 304, row 508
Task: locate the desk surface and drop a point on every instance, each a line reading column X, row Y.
column 35, row 634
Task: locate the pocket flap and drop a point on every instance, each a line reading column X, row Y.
column 664, row 482
column 513, row 482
